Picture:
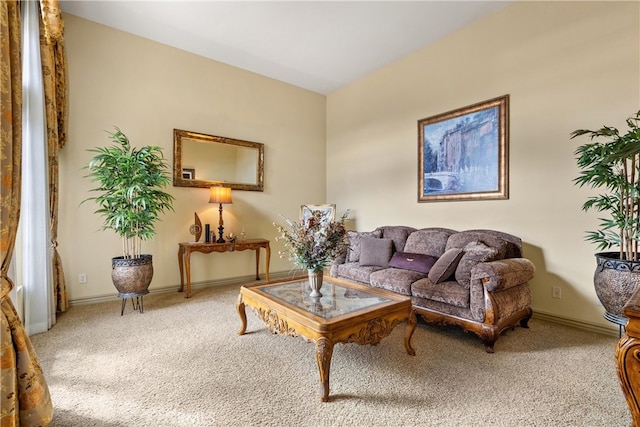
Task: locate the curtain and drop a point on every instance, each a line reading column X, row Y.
column 24, row 394
column 54, row 71
column 34, row 231
column 44, row 133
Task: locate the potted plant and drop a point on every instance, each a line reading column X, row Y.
column 611, row 162
column 313, row 243
column 130, row 199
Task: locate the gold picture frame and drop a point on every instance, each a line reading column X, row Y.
column 463, row 153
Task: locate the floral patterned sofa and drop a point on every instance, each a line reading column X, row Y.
column 476, row 279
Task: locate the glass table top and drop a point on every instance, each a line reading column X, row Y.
column 336, row 300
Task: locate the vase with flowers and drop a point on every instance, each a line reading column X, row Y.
column 313, row 243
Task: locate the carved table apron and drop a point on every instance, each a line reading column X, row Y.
column 347, row 312
column 185, row 249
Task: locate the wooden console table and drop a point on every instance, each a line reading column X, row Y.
column 628, row 357
column 185, row 249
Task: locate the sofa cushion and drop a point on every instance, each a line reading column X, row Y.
column 463, row 238
column 448, row 292
column 475, row 252
column 411, row 261
column 395, row 279
column 514, row 244
column 446, row 265
column 356, row 272
column 375, row 252
column 354, row 242
column 428, row 241
column 397, row 233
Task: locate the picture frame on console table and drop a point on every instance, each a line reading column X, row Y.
column 188, row 173
column 463, row 153
column 306, row 210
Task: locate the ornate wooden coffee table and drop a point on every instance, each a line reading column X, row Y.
column 346, row 312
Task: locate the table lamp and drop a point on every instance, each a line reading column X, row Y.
column 219, row 194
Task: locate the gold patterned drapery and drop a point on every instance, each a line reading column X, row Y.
column 24, row 395
column 54, row 72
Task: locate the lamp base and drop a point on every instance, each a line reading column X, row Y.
column 220, row 234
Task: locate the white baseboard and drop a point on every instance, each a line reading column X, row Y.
column 580, row 324
column 194, row 286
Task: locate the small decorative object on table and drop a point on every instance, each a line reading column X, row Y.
column 313, row 243
column 196, row 228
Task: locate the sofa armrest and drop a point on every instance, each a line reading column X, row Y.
column 502, row 274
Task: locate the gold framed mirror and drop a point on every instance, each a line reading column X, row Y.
column 201, row 160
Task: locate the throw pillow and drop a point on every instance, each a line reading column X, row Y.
column 446, row 265
column 375, row 252
column 475, row 252
column 410, row 261
column 354, row 242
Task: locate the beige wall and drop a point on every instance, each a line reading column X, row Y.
column 565, row 65
column 148, row 89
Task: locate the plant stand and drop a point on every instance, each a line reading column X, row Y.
column 138, row 304
column 621, row 321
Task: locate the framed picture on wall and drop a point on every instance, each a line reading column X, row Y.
column 329, row 212
column 463, row 154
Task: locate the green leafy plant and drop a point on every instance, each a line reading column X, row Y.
column 315, row 242
column 130, row 186
column 613, row 164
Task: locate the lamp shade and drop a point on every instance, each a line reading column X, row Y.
column 219, row 194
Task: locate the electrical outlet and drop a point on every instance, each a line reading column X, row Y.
column 82, row 278
column 556, row 292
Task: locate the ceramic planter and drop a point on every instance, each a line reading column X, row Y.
column 615, row 280
column 132, row 276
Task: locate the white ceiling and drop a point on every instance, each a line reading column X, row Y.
column 317, row 45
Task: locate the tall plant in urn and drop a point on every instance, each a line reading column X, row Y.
column 130, row 199
column 313, row 243
column 611, row 162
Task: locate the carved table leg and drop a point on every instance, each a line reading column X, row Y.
column 268, row 260
column 187, row 267
column 412, row 321
column 257, row 263
column 181, row 267
column 324, row 351
column 242, row 314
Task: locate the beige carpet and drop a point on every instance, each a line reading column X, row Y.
column 181, row 363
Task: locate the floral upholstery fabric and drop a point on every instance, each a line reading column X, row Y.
column 398, row 233
column 507, row 280
column 503, row 274
column 474, row 253
column 356, row 272
column 428, row 241
column 395, row 280
column 509, row 301
column 490, row 238
column 450, row 292
column 494, row 266
column 452, row 310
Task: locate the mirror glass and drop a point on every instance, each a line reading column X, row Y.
column 201, row 160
